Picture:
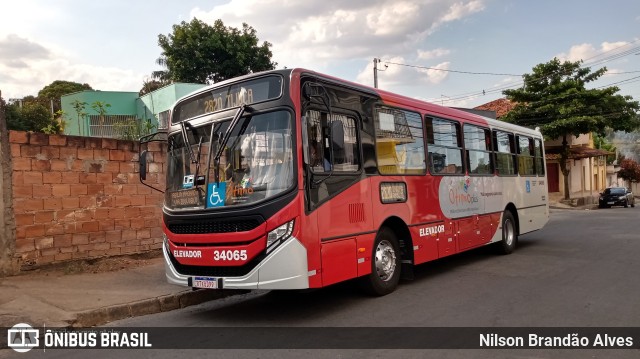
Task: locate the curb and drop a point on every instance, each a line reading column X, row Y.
column 160, row 304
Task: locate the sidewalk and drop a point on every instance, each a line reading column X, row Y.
column 56, row 299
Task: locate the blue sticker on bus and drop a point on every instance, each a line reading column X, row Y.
column 216, row 193
column 528, row 186
column 187, row 182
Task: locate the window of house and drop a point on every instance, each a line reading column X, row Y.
column 445, row 146
column 399, row 142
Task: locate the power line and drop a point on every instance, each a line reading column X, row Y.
column 519, row 83
column 459, row 72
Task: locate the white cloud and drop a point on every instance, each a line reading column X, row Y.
column 432, row 54
column 578, row 52
column 40, row 65
column 396, row 75
column 589, row 53
column 392, row 19
column 315, row 34
column 459, row 10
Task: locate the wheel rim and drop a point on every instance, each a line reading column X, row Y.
column 508, row 231
column 385, row 260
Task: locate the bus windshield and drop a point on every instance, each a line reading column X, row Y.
column 255, row 164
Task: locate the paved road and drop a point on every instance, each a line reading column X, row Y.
column 581, row 270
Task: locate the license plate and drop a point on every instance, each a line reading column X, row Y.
column 205, row 282
column 610, row 202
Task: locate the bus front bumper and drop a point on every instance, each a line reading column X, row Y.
column 284, row 268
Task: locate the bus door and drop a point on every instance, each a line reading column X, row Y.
column 337, row 194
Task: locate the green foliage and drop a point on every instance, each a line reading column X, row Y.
column 101, row 108
column 132, row 129
column 57, row 126
column 79, row 108
column 629, row 170
column 600, row 142
column 150, row 86
column 14, row 118
column 32, row 116
column 201, row 53
column 57, row 89
column 554, row 97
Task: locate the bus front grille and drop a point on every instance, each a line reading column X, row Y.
column 203, row 227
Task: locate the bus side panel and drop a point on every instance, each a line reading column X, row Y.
column 468, row 232
column 339, row 261
column 425, row 243
column 365, row 249
column 447, row 240
column 488, row 226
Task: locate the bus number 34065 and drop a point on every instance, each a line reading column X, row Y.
column 230, row 255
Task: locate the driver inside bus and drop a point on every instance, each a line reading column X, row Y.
column 317, row 161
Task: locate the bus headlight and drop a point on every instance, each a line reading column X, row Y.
column 279, row 235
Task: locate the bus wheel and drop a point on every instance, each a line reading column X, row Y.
column 385, row 265
column 509, row 234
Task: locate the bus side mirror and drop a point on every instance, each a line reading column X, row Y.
column 143, row 165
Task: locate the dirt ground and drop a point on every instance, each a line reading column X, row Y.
column 98, row 265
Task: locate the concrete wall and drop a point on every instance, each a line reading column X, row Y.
column 584, row 139
column 77, row 198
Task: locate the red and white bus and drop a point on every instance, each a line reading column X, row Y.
column 291, row 179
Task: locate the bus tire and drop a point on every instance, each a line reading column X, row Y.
column 385, row 265
column 509, row 234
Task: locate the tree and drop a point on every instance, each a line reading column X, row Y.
column 600, row 142
column 554, row 97
column 14, row 119
column 200, row 53
column 35, row 116
column 57, row 89
column 31, row 116
column 150, row 86
column 79, row 108
column 629, row 170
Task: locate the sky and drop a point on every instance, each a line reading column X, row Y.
column 460, row 53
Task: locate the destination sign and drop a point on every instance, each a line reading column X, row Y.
column 393, row 192
column 185, row 198
column 222, row 98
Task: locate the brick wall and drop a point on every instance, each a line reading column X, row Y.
column 81, row 197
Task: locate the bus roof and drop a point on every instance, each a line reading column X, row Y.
column 389, row 98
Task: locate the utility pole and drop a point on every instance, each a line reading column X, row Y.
column 376, row 61
column 375, row 72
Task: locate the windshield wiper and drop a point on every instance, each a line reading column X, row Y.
column 225, row 139
column 185, row 136
column 194, row 157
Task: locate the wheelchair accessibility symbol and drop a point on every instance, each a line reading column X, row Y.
column 216, row 193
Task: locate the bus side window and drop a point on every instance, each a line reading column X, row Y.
column 539, row 159
column 399, row 142
column 445, row 146
column 525, row 156
column 505, row 149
